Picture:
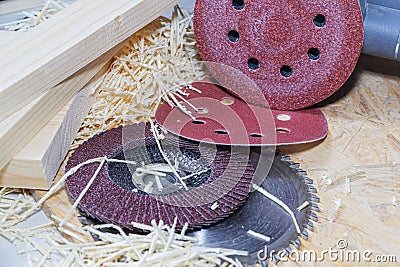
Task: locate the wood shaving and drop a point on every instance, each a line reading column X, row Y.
column 259, row 236
column 395, row 201
column 338, row 206
column 214, row 206
column 280, row 203
column 30, row 19
column 348, row 185
column 158, row 63
column 303, row 206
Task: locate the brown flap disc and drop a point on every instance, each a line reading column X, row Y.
column 115, row 197
column 297, row 52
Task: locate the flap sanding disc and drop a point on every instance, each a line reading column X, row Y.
column 297, row 52
column 122, row 194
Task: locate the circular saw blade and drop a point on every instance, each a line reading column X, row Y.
column 259, row 214
column 297, row 52
column 114, row 198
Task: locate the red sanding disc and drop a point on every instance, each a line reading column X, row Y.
column 225, row 120
column 113, row 198
column 297, row 52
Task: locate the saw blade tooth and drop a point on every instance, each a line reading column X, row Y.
column 307, row 180
column 314, row 217
column 310, row 226
column 314, row 207
column 289, row 249
column 301, row 172
column 277, row 257
column 295, row 166
column 285, row 158
column 260, row 264
column 312, row 189
column 296, row 243
column 314, row 198
column 304, row 235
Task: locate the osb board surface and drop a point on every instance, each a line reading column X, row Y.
column 364, row 146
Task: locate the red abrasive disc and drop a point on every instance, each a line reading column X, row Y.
column 297, row 52
column 225, row 120
column 114, row 198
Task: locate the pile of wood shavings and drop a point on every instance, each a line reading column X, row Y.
column 35, row 17
column 44, row 245
column 157, row 63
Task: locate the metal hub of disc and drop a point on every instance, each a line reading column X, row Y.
column 259, row 214
column 149, row 190
column 297, row 52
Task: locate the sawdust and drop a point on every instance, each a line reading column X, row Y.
column 161, row 245
column 152, row 66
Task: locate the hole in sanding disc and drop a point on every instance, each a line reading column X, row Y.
column 233, row 36
column 319, row 21
column 238, row 4
column 283, row 117
column 198, row 122
column 283, row 130
column 257, row 135
column 227, row 101
column 286, row 71
column 221, row 132
column 253, row 64
column 202, row 111
column 314, row 53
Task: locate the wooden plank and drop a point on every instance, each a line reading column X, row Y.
column 35, row 166
column 17, row 130
column 6, row 37
column 66, row 43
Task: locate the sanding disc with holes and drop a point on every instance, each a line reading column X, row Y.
column 225, row 120
column 298, row 52
column 218, row 179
